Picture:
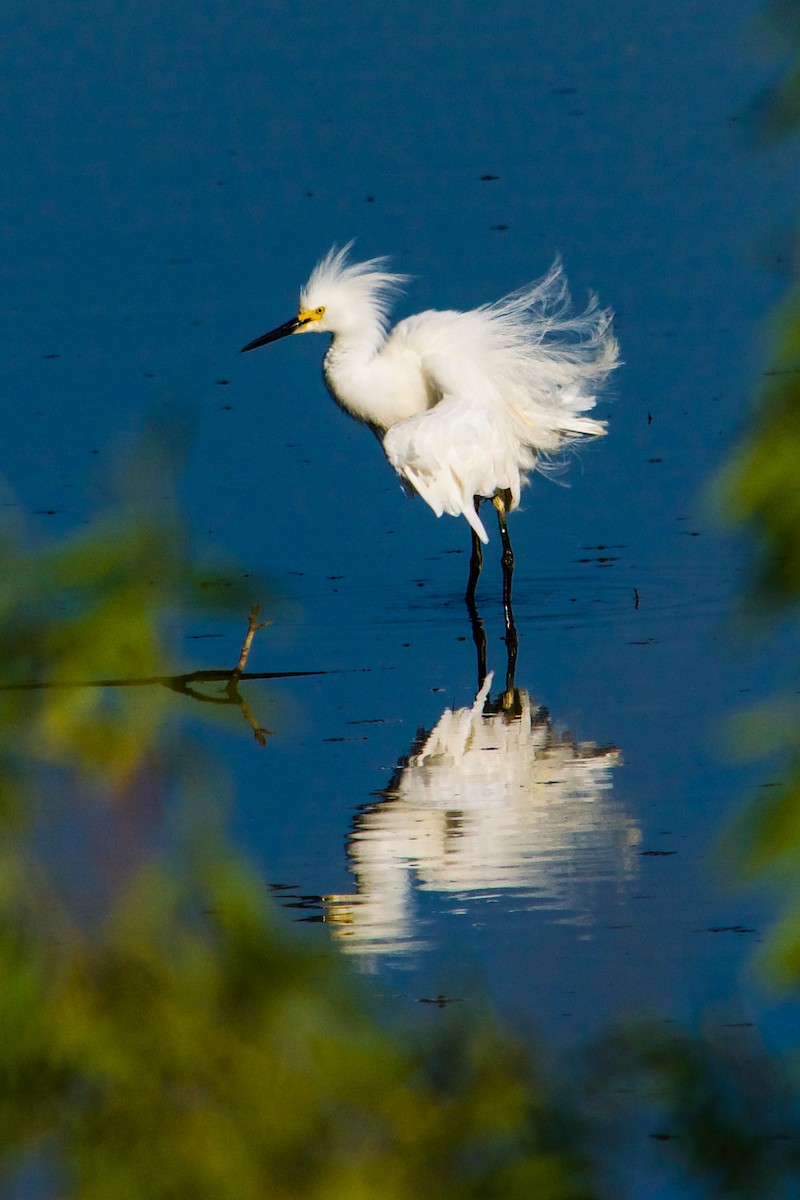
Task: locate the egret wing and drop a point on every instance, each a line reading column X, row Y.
column 506, row 385
column 462, row 447
column 536, row 361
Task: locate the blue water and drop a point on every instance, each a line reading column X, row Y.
column 170, row 175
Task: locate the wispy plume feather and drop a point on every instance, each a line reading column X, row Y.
column 368, row 283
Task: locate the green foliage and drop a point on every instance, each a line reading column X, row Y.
column 761, row 485
column 91, row 608
column 188, row 1047
column 779, row 107
column 719, row 1106
column 762, row 482
column 762, row 490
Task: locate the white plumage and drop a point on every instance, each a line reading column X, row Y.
column 466, row 404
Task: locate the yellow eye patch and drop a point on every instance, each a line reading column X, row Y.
column 311, row 314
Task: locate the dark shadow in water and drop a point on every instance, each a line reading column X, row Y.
column 184, row 684
column 479, row 638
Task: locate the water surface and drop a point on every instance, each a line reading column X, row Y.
column 171, row 177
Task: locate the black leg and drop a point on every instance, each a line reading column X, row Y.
column 476, row 558
column 479, row 638
column 507, row 562
column 511, row 695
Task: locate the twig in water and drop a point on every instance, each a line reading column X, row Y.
column 231, row 688
column 253, row 626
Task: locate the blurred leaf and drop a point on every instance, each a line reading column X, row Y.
column 777, row 109
column 721, row 1105
column 189, row 1047
column 761, row 489
column 762, row 485
column 94, row 607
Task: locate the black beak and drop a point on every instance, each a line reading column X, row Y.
column 281, row 332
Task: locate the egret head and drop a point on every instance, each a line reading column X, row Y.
column 341, row 298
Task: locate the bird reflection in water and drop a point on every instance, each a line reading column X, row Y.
column 492, row 802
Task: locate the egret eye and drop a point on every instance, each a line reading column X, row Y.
column 320, row 311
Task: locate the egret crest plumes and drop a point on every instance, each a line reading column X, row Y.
column 466, row 404
column 355, row 296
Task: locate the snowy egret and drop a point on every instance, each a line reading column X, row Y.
column 465, row 404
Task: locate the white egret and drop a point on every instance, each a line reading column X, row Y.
column 465, row 404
